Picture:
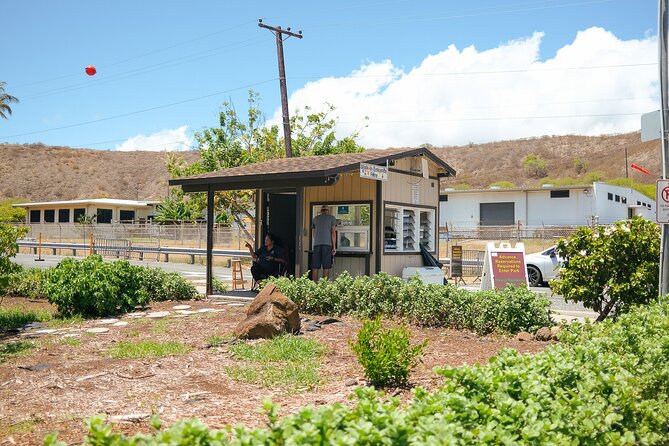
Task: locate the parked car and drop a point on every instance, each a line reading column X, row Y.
column 542, row 266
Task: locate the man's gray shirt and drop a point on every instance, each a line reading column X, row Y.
column 322, row 226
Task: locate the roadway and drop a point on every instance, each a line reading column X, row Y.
column 197, row 273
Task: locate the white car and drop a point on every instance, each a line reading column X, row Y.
column 542, row 266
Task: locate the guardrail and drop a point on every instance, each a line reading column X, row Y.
column 118, row 251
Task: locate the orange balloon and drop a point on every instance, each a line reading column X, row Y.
column 90, row 70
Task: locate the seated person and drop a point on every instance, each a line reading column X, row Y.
column 267, row 259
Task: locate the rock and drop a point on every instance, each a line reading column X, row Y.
column 97, row 330
column 543, row 334
column 524, row 336
column 106, row 321
column 330, row 320
column 120, row 324
column 350, row 382
column 555, row 329
column 158, row 314
column 181, row 307
column 271, row 313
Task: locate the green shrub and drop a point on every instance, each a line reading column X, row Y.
column 92, row 287
column 8, row 249
column 535, row 166
column 9, row 214
column 509, row 310
column 610, row 268
column 386, row 354
column 27, row 282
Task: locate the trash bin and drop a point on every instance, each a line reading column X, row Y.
column 428, row 274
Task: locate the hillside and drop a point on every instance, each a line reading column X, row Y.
column 37, row 172
column 480, row 165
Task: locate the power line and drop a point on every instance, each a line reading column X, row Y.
column 140, row 111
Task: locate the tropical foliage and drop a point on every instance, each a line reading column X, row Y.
column 610, row 268
column 237, row 142
column 5, row 100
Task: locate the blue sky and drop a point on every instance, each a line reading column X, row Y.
column 404, row 73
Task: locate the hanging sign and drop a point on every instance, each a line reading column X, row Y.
column 373, row 172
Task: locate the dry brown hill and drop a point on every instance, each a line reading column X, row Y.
column 39, row 173
column 480, row 165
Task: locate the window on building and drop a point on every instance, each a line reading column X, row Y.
column 617, row 200
column 560, row 194
column 609, row 196
column 407, row 228
column 127, row 216
column 49, row 215
column 353, row 225
column 78, row 215
column 35, row 216
column 104, row 216
column 638, row 203
column 624, row 200
column 443, row 197
column 63, row 215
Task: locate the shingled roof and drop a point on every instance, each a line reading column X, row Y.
column 307, row 170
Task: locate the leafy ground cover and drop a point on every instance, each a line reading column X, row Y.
column 63, row 380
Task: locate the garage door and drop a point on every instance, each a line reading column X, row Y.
column 494, row 214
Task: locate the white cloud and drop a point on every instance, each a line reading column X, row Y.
column 458, row 96
column 168, row 140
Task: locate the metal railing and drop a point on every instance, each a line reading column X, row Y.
column 115, row 250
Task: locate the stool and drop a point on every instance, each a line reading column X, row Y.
column 237, row 275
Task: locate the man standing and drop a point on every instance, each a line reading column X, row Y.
column 324, row 228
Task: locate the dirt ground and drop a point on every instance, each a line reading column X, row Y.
column 63, row 381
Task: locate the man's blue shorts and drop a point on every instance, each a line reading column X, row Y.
column 321, row 257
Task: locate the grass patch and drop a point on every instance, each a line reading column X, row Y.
column 72, row 342
column 217, row 340
column 24, row 426
column 59, row 322
column 160, row 326
column 287, row 361
column 287, row 348
column 14, row 349
column 147, row 349
column 293, row 377
column 13, row 318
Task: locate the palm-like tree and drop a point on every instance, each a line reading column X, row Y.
column 5, row 100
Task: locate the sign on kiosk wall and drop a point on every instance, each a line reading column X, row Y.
column 504, row 265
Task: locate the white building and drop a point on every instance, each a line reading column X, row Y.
column 98, row 210
column 543, row 206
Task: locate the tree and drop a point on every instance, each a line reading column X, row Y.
column 535, row 166
column 610, row 268
column 236, row 143
column 5, row 100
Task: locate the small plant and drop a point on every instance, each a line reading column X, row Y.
column 214, row 341
column 386, row 354
column 218, row 285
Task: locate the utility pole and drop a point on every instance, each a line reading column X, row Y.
column 664, row 115
column 278, row 32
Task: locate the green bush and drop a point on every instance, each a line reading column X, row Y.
column 386, row 354
column 27, row 282
column 605, row 384
column 509, row 310
column 610, row 268
column 8, row 249
column 535, row 166
column 92, row 287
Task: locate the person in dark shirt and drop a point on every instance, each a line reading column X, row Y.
column 267, row 260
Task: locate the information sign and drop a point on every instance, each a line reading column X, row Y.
column 373, row 172
column 456, row 261
column 504, row 265
column 662, row 204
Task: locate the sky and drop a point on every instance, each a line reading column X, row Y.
column 399, row 73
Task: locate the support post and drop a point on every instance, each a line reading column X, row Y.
column 210, row 239
column 664, row 115
column 299, row 225
column 279, row 32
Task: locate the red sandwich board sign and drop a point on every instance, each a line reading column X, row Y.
column 662, row 203
column 504, row 265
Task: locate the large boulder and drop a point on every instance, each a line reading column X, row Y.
column 270, row 314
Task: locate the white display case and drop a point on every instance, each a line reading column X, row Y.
column 353, row 239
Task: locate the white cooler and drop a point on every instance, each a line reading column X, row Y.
column 428, row 274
